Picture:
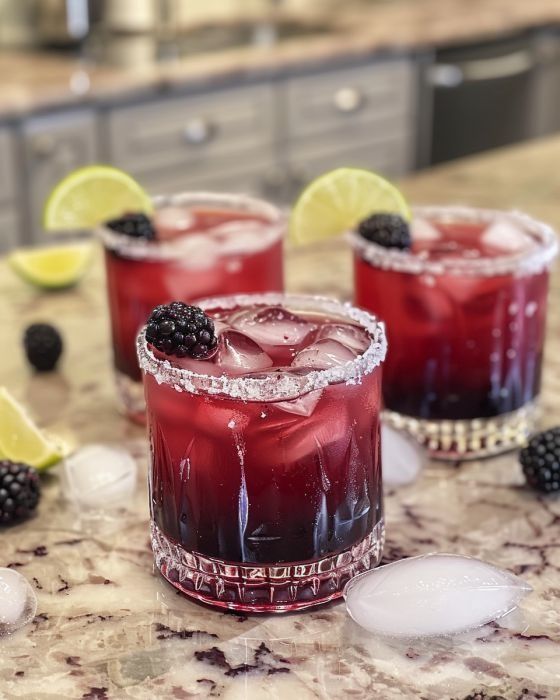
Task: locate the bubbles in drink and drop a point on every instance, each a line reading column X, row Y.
column 18, row 602
column 238, row 354
column 432, row 595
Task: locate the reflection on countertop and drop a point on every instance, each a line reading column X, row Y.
column 109, row 627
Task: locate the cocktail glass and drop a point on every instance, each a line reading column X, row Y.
column 265, row 478
column 207, row 244
column 465, row 309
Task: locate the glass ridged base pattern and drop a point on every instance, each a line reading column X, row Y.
column 264, row 588
column 469, row 439
column 131, row 397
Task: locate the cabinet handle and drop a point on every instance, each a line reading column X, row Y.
column 348, row 100
column 199, row 130
column 43, row 146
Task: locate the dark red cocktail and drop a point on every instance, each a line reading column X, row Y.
column 265, row 474
column 465, row 309
column 206, row 244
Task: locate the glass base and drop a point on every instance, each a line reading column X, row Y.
column 469, row 439
column 131, row 398
column 264, row 588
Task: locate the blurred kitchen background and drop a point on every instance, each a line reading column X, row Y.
column 262, row 95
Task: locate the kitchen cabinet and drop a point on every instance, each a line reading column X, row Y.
column 53, row 145
column 9, row 187
column 225, row 136
column 361, row 116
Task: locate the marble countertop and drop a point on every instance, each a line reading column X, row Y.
column 109, row 627
column 38, row 81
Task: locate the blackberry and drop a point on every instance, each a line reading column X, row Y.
column 43, row 346
column 540, row 461
column 387, row 230
column 181, row 330
column 19, row 491
column 133, row 225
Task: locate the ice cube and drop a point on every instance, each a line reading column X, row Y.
column 237, row 354
column 324, row 354
column 273, row 325
column 423, row 230
column 237, row 237
column 171, row 222
column 197, row 251
column 302, row 405
column 18, row 602
column 432, row 595
column 401, row 456
column 507, row 237
column 354, row 337
column 99, row 477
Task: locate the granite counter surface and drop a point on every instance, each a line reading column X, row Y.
column 109, row 627
column 39, row 81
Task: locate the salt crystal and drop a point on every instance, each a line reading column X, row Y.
column 432, row 595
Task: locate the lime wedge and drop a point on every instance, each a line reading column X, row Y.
column 88, row 196
column 338, row 200
column 53, row 267
column 21, row 440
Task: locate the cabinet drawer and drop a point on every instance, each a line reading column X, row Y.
column 390, row 158
column 9, row 229
column 194, row 131
column 8, row 171
column 349, row 98
column 53, row 146
column 231, row 177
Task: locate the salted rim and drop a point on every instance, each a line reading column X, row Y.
column 517, row 264
column 280, row 386
column 138, row 249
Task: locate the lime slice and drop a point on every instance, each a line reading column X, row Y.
column 53, row 267
column 88, row 196
column 21, row 440
column 338, row 200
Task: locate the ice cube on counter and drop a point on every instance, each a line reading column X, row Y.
column 402, row 458
column 432, row 595
column 99, row 477
column 18, row 602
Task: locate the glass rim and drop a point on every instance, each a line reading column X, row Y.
column 517, row 264
column 277, row 386
column 140, row 249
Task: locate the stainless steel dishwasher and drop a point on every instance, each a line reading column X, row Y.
column 483, row 96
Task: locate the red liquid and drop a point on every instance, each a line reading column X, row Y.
column 248, row 482
column 135, row 287
column 460, row 347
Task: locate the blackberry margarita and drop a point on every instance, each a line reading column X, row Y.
column 265, row 480
column 465, row 308
column 205, row 244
